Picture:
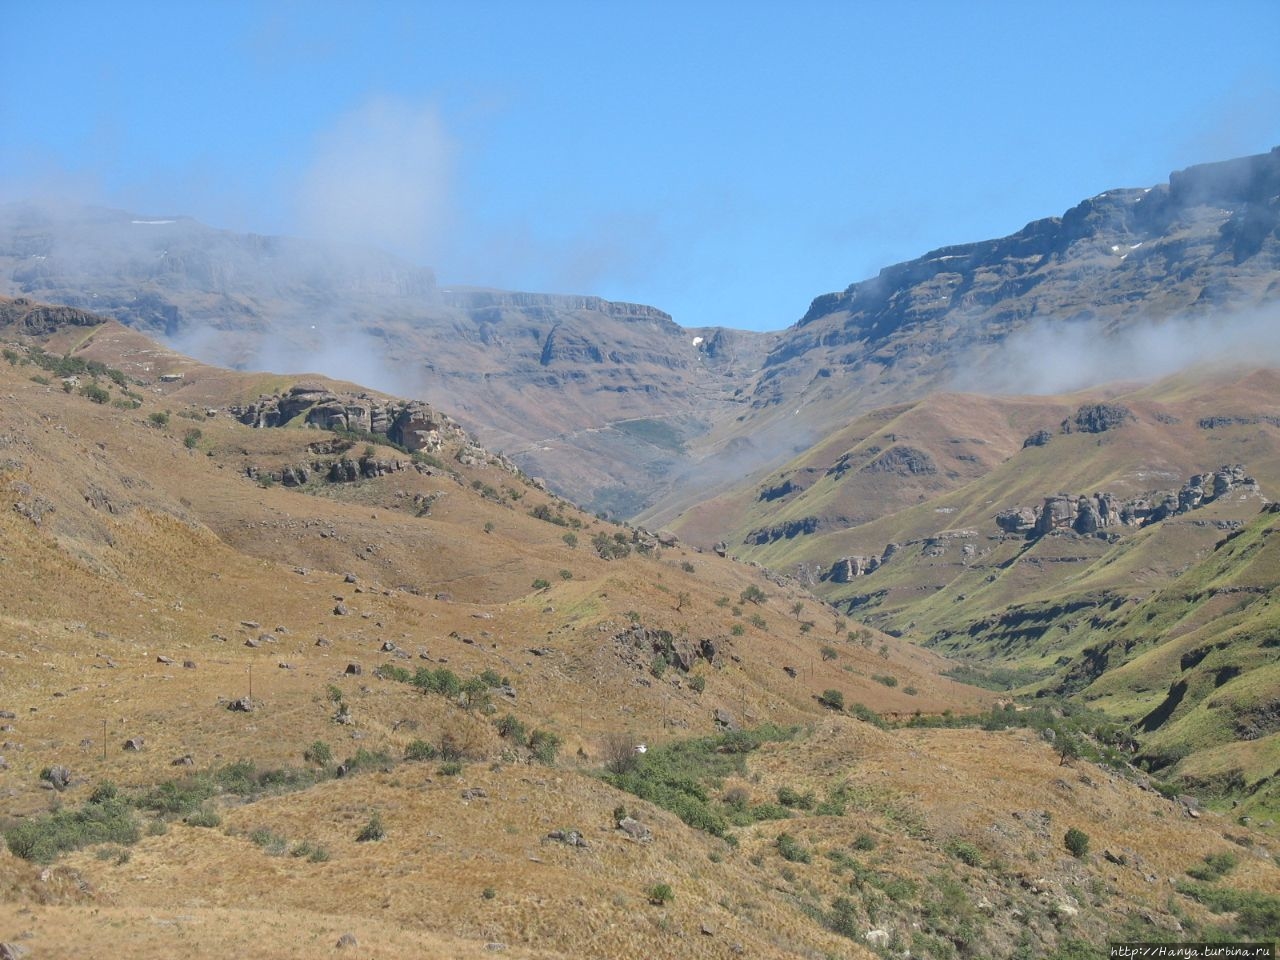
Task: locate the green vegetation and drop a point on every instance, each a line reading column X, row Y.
column 372, row 830
column 41, row 839
column 1076, row 841
column 660, row 894
column 680, row 776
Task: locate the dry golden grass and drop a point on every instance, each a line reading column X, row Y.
column 154, row 550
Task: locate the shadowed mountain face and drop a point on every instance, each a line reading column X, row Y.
column 623, row 409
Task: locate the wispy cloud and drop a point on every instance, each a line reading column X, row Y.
column 1048, row 356
column 381, row 176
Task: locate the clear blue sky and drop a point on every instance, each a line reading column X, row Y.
column 726, row 162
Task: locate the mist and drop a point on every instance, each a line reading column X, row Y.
column 380, row 176
column 1051, row 356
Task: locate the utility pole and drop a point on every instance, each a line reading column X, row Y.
column 251, row 682
column 104, row 738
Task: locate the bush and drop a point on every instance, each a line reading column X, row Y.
column 752, row 594
column 191, row 438
column 510, row 728
column 541, row 584
column 966, row 852
column 888, row 681
column 1076, row 841
column 41, row 839
column 318, row 753
column 1215, row 865
column 790, row 797
column 420, row 750
column 450, row 769
column 660, row 894
column 204, row 817
column 791, row 849
column 95, row 393
column 160, row 418
column 373, row 830
column 697, row 683
column 312, row 851
column 832, row 700
column 544, row 745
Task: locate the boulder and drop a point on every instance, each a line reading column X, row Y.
column 59, row 777
column 133, row 744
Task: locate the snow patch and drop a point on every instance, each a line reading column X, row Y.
column 697, row 340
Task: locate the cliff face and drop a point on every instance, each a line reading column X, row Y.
column 1207, row 239
column 618, row 406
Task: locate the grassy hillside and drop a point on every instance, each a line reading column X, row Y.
column 464, row 789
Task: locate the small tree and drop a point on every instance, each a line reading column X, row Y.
column 660, row 894
column 832, row 699
column 620, row 754
column 753, row 594
column 1076, row 841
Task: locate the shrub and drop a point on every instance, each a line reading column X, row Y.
column 791, row 849
column 965, row 852
column 191, row 438
column 420, row 750
column 832, row 700
column 97, row 394
column 312, row 851
column 571, row 540
column 41, row 839
column 752, row 594
column 318, row 753
column 204, row 817
column 687, row 567
column 566, row 574
column 510, row 728
column 829, row 653
column 888, row 681
column 697, row 683
column 159, row 419
column 660, row 894
column 737, row 630
column 790, row 797
column 1076, row 841
column 270, row 841
column 544, row 745
column 450, row 769
column 541, row 584
column 757, row 621
column 864, row 842
column 1215, row 865
column 372, row 830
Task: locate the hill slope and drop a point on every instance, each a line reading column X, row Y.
column 182, row 610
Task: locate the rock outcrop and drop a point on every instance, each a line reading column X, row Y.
column 1094, row 514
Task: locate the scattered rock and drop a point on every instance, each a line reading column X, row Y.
column 706, row 929
column 349, row 578
column 164, row 660
column 13, row 951
column 354, row 669
column 134, row 744
column 725, row 720
column 388, row 646
column 877, row 938
column 242, row 705
column 251, row 642
column 635, row 829
column 188, row 664
column 347, row 940
column 59, row 777
column 183, row 761
column 474, row 793
column 570, row 838
column 340, row 610
column 323, row 642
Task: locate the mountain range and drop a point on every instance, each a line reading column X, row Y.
column 940, row 621
column 624, row 410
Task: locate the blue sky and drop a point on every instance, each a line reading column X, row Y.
column 726, row 162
